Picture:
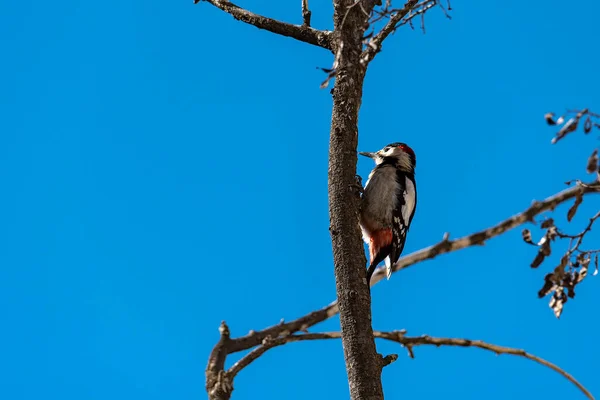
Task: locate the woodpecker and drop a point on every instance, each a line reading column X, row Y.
column 388, row 204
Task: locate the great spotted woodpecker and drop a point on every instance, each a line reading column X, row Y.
column 388, row 204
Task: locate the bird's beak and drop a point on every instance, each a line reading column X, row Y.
column 367, row 154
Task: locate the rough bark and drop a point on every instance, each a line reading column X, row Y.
column 218, row 384
column 363, row 364
column 303, row 33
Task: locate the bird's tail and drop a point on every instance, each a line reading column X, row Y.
column 388, row 267
column 388, row 270
column 370, row 272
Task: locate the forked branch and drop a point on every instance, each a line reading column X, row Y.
column 406, row 341
column 374, row 44
column 306, row 13
column 397, row 18
column 303, row 33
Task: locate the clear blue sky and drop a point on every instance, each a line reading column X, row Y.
column 165, row 168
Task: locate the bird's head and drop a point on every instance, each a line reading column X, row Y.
column 399, row 154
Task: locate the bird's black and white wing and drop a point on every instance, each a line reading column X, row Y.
column 406, row 200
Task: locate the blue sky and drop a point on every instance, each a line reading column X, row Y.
column 165, row 168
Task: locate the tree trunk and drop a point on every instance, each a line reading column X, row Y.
column 363, row 364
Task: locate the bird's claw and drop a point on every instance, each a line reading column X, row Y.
column 357, row 185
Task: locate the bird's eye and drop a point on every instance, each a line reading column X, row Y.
column 386, row 149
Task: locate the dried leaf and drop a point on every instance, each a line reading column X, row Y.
column 596, row 264
column 549, row 117
column 559, row 273
column 537, row 261
column 569, row 283
column 592, row 162
column 543, row 252
column 567, row 128
column 584, row 259
column 548, row 287
column 581, row 274
column 573, row 209
column 545, row 249
column 558, row 301
column 587, row 125
column 563, row 261
column 563, row 282
column 543, row 240
column 551, row 233
column 570, row 126
column 527, row 236
column 548, row 223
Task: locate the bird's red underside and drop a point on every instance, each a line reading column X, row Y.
column 378, row 240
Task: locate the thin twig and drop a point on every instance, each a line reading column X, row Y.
column 580, row 235
column 428, row 340
column 408, row 342
column 269, row 343
column 580, row 183
column 306, row 14
column 303, row 33
column 421, row 11
column 569, row 126
column 446, row 14
column 375, row 43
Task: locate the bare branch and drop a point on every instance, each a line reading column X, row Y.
column 283, row 329
column 591, row 121
column 397, row 18
column 306, row 14
column 409, row 343
column 580, row 235
column 579, row 183
column 387, row 360
column 570, row 126
column 375, row 43
column 479, row 238
column 426, row 6
column 269, row 343
column 218, row 386
column 303, row 33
